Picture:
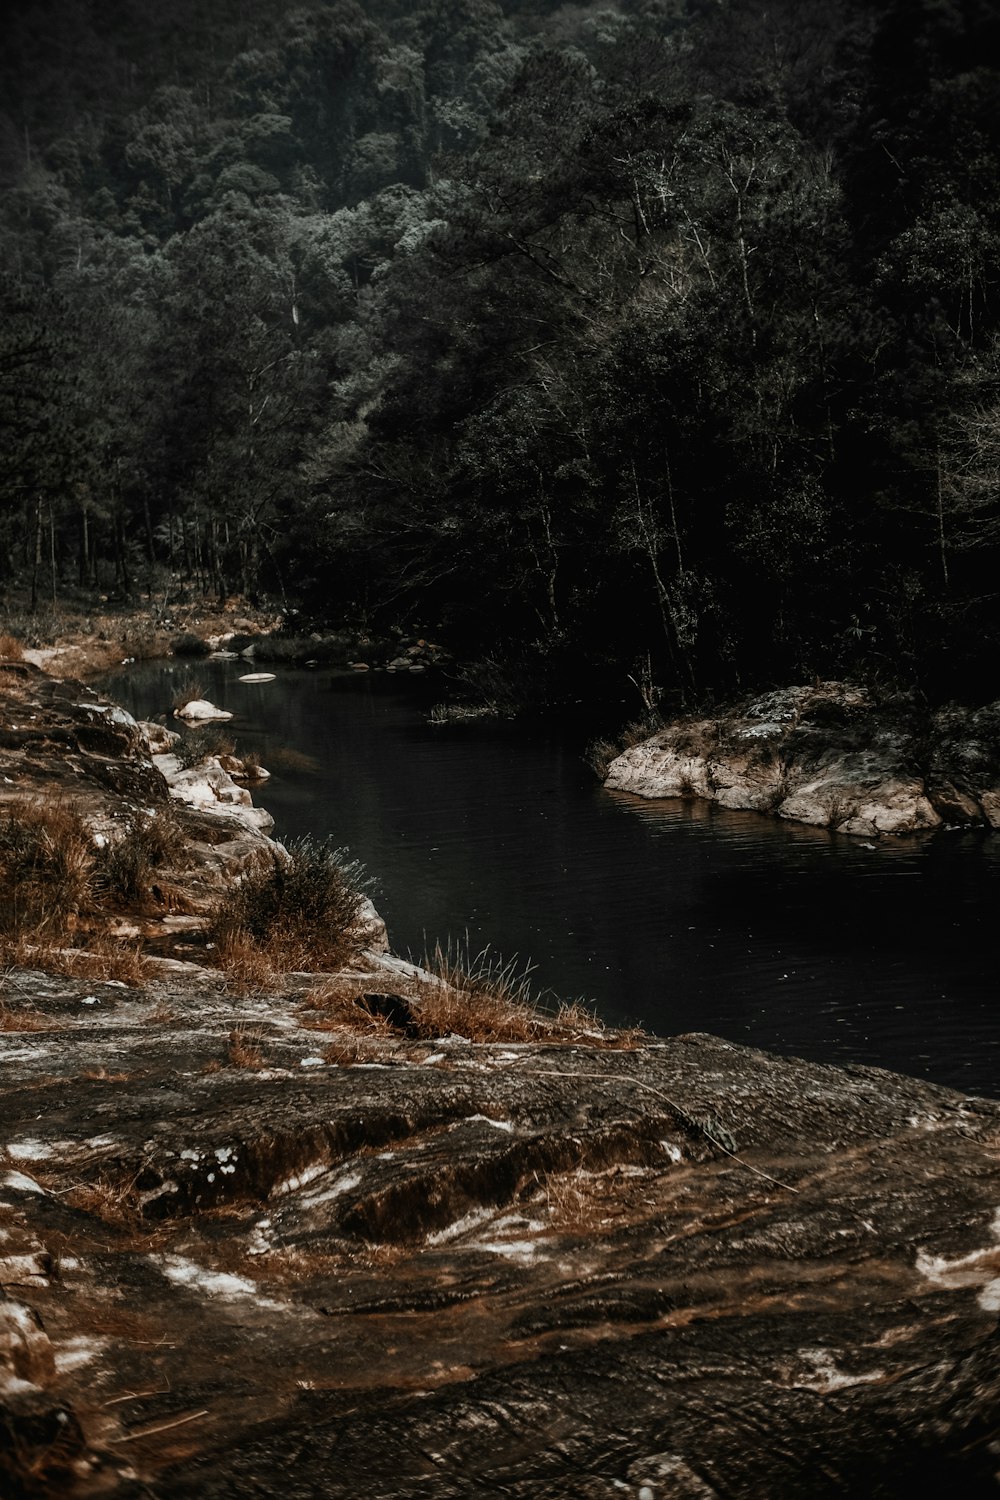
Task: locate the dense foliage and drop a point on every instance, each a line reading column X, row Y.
column 656, row 339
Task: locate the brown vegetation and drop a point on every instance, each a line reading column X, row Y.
column 23, row 1018
column 294, row 910
column 57, row 883
column 482, row 998
column 244, row 1047
column 46, row 867
column 601, row 752
column 487, row 999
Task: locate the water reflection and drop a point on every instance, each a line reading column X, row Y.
column 678, row 914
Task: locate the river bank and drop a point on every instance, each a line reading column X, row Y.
column 277, row 1241
column 830, row 754
column 833, row 755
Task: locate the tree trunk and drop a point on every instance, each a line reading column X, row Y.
column 84, row 554
column 52, row 556
column 37, row 559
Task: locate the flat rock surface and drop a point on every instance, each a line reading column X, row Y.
column 683, row 1268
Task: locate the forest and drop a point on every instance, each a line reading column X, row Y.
column 654, row 340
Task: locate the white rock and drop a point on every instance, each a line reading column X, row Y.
column 201, row 709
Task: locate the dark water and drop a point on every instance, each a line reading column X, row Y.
column 676, row 914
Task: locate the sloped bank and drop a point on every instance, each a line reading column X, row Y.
column 832, row 755
column 240, row 1256
column 683, row 1269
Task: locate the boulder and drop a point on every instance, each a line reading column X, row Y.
column 200, row 710
column 158, row 739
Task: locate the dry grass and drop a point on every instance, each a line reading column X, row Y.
column 296, row 911
column 569, row 1200
column 110, row 1200
column 24, row 1018
column 189, row 689
column 244, row 1047
column 55, row 884
column 582, row 1203
column 481, row 998
column 601, row 752
column 486, row 999
column 11, row 649
column 350, row 1048
column 338, row 1006
column 249, row 968
column 46, row 868
column 103, row 958
column 124, row 868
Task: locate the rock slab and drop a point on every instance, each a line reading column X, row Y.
column 684, row 1268
column 832, row 756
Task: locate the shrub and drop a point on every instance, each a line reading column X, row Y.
column 298, row 908
column 46, row 868
column 124, row 868
column 201, row 744
column 601, row 752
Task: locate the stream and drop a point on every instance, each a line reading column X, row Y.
column 678, row 915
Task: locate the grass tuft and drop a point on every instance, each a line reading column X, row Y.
column 189, row 689
column 46, row 868
column 24, row 1018
column 294, row 909
column 601, row 752
column 244, row 1047
column 11, row 649
column 198, row 745
column 481, row 997
column 126, row 865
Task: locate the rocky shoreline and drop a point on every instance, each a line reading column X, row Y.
column 245, row 1253
column 831, row 755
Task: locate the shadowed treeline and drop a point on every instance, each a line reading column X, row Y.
column 654, row 340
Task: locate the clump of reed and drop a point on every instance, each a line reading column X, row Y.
column 59, row 886
column 47, row 857
column 601, row 752
column 202, row 744
column 486, row 998
column 295, row 908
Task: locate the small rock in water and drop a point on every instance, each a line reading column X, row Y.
column 200, row 708
column 258, row 677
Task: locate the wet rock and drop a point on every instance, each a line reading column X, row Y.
column 832, row 756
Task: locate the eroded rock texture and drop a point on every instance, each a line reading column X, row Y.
column 686, row 1269
column 831, row 756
